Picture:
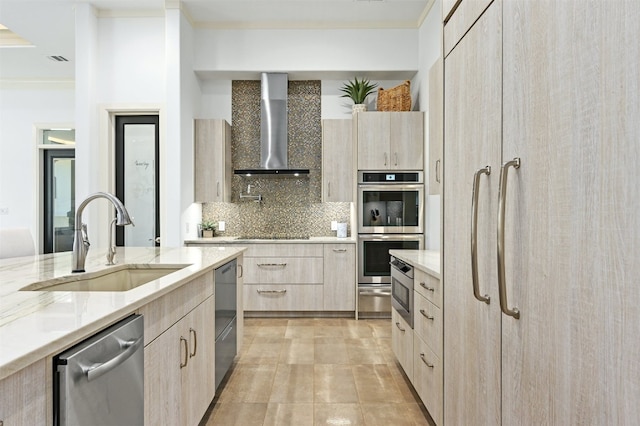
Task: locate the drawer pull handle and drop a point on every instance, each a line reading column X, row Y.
column 427, row 288
column 424, row 314
column 342, row 250
column 241, row 270
column 425, row 361
column 400, row 328
column 195, row 342
column 284, row 290
column 272, row 265
column 185, row 344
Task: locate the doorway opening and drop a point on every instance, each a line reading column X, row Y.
column 137, row 151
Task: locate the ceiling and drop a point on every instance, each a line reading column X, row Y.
column 49, row 24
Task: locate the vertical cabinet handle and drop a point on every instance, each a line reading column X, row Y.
column 385, row 158
column 193, row 334
column 438, row 170
column 218, row 188
column 185, row 346
column 474, row 234
column 328, row 189
column 502, row 195
column 396, row 158
column 241, row 271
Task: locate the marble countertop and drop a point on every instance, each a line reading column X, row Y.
column 37, row 324
column 425, row 260
column 240, row 240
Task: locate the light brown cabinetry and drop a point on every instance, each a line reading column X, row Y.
column 436, row 123
column 297, row 277
column 23, row 399
column 390, row 140
column 212, row 160
column 402, row 342
column 337, row 161
column 179, row 359
column 571, row 229
column 339, row 277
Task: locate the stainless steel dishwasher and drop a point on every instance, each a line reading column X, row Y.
column 225, row 321
column 100, row 381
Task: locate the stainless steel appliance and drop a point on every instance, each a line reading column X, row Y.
column 402, row 289
column 390, row 202
column 100, row 381
column 390, row 216
column 225, row 318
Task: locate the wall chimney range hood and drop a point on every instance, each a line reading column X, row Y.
column 273, row 130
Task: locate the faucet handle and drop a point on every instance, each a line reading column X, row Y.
column 85, row 237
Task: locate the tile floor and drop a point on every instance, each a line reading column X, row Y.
column 316, row 371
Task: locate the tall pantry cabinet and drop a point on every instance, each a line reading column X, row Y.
column 553, row 84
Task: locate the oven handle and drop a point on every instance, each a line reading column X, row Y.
column 368, row 292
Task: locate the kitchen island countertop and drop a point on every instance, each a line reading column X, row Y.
column 426, row 260
column 38, row 324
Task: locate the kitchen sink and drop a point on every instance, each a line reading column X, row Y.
column 119, row 278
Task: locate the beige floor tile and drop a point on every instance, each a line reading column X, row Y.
column 271, row 331
column 329, row 331
column 237, row 414
column 333, row 383
column 262, row 353
column 404, row 384
column 355, row 329
column 289, row 414
column 249, row 383
column 331, row 351
column 292, row 383
column 297, row 351
column 376, row 384
column 364, row 351
column 337, row 414
column 300, row 331
column 386, row 414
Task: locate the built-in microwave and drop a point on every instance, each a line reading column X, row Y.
column 390, row 202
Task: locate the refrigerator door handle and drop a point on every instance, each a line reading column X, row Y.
column 474, row 234
column 502, row 195
column 96, row 370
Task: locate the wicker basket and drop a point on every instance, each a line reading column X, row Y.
column 395, row 99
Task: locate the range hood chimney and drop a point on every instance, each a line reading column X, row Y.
column 273, row 129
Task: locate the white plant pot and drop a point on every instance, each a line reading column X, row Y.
column 359, row 108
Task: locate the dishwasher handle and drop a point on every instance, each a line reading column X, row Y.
column 96, row 370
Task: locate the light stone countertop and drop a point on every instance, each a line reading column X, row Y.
column 425, row 260
column 37, row 324
column 238, row 240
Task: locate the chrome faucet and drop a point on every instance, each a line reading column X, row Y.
column 256, row 198
column 81, row 240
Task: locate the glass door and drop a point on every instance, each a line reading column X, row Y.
column 137, row 179
column 59, row 200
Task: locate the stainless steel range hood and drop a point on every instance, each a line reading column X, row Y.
column 273, row 129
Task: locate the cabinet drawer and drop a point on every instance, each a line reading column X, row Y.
column 428, row 286
column 428, row 323
column 162, row 313
column 402, row 342
column 283, row 250
column 283, row 297
column 428, row 379
column 283, row 270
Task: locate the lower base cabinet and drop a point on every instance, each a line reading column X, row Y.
column 428, row 378
column 402, row 342
column 180, row 369
column 22, row 400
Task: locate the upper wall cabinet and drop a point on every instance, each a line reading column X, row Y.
column 212, row 163
column 390, row 140
column 436, row 105
column 337, row 161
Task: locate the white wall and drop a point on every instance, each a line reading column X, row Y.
column 21, row 109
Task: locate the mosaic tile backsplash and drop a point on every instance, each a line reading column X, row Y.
column 290, row 207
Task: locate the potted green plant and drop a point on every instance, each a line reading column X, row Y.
column 358, row 90
column 208, row 228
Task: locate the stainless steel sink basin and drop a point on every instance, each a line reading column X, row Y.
column 119, row 278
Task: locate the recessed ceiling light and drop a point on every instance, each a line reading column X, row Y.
column 10, row 39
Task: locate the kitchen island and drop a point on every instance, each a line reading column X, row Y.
column 36, row 325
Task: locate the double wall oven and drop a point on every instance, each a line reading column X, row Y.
column 390, row 216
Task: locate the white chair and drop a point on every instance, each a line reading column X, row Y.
column 16, row 242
